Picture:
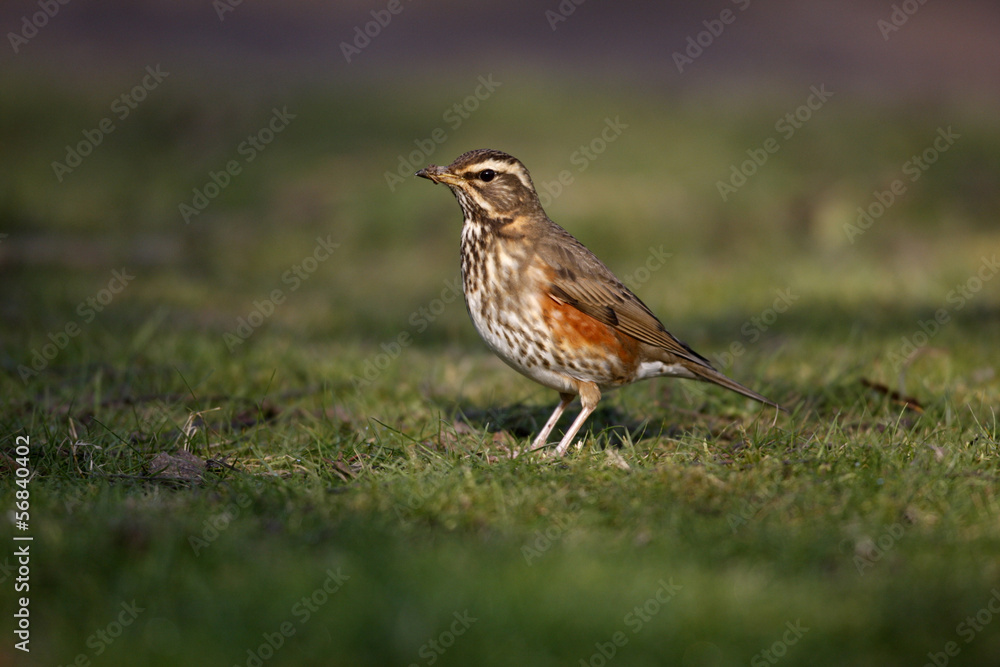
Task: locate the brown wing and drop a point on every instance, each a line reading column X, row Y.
column 581, row 280
column 584, row 282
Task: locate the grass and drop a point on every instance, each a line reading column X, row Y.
column 349, row 502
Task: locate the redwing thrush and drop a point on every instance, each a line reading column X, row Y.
column 546, row 305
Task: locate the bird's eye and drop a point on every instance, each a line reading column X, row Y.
column 487, row 175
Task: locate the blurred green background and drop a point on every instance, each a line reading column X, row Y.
column 211, row 242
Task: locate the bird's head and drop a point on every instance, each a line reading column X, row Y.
column 488, row 184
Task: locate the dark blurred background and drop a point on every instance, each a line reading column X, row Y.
column 700, row 87
column 942, row 51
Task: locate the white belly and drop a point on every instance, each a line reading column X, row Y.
column 511, row 328
column 509, row 319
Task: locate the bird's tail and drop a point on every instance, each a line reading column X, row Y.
column 709, row 374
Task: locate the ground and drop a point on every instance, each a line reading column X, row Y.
column 263, row 431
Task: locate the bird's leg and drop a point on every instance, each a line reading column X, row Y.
column 543, row 435
column 589, row 397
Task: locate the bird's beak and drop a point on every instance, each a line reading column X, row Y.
column 439, row 175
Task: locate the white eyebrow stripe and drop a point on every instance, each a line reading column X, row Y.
column 503, row 167
column 495, row 165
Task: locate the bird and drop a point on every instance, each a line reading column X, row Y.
column 546, row 305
